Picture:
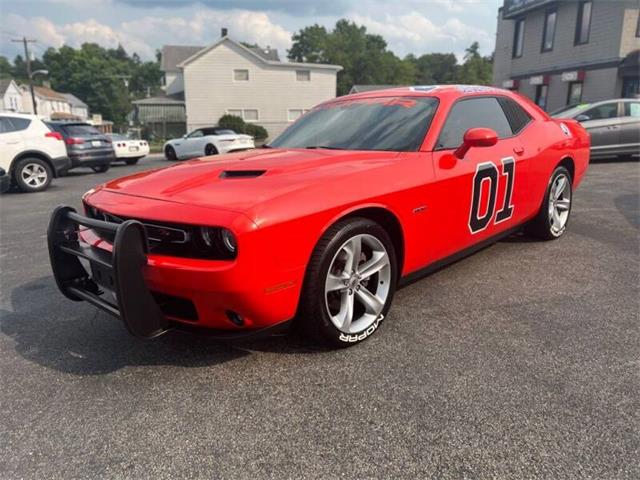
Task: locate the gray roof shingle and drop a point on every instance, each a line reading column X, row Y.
column 172, row 55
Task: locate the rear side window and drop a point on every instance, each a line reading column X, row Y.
column 13, row 124
column 517, row 116
column 632, row 109
column 19, row 123
column 80, row 130
column 469, row 113
column 5, row 125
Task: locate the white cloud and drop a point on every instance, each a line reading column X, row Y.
column 146, row 34
column 413, row 32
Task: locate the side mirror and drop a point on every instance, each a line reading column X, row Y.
column 583, row 118
column 476, row 137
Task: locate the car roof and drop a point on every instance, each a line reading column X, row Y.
column 29, row 116
column 450, row 91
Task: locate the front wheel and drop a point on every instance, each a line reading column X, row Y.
column 349, row 285
column 553, row 217
column 32, row 174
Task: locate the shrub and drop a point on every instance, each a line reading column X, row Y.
column 256, row 131
column 231, row 121
column 237, row 124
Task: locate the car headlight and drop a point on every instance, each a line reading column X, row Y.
column 218, row 239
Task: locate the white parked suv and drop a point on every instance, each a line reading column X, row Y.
column 30, row 153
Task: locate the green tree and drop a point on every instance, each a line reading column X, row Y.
column 6, row 69
column 476, row 69
column 363, row 56
column 434, row 68
column 106, row 79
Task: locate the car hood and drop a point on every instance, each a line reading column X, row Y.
column 241, row 180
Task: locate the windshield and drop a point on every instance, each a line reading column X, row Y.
column 81, row 130
column 387, row 123
column 570, row 112
column 117, row 136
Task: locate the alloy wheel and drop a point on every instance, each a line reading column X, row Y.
column 34, row 175
column 358, row 283
column 559, row 204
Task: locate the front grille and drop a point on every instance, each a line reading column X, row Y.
column 168, row 239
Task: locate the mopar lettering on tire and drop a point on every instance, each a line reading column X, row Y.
column 349, row 284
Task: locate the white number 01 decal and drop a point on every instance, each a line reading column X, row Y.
column 488, row 172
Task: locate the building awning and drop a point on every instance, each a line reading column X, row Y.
column 630, row 66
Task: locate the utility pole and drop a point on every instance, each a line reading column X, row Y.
column 26, row 42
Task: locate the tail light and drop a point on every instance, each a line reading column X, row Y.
column 73, row 141
column 56, row 135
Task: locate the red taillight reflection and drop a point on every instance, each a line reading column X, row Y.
column 56, row 135
column 73, row 141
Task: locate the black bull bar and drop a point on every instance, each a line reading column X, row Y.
column 117, row 274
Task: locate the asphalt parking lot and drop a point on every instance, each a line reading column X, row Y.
column 519, row 362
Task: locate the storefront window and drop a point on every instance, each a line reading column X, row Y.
column 575, row 93
column 541, row 96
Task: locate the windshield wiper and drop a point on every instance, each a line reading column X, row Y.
column 324, row 147
column 266, row 145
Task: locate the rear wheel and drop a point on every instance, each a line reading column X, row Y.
column 32, row 174
column 170, row 153
column 210, row 150
column 553, row 217
column 101, row 168
column 349, row 284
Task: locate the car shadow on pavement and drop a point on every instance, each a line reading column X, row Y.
column 76, row 338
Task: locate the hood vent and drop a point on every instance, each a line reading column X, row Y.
column 241, row 173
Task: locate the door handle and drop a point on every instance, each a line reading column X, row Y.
column 518, row 150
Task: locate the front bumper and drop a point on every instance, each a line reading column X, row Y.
column 128, row 283
column 5, row 182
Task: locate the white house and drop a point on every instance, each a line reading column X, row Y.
column 228, row 77
column 49, row 103
column 79, row 109
column 10, row 95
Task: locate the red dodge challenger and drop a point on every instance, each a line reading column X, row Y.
column 321, row 225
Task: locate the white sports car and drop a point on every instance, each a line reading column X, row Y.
column 206, row 141
column 127, row 149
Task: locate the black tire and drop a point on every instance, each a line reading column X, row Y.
column 101, row 168
column 132, row 161
column 25, row 168
column 313, row 320
column 170, row 153
column 542, row 225
column 210, row 150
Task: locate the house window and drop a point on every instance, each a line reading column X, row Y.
column 518, row 39
column 583, row 25
column 574, row 96
column 241, row 75
column 541, row 96
column 247, row 114
column 549, row 30
column 251, row 115
column 295, row 113
column 303, row 75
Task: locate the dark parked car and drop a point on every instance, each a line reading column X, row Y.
column 86, row 145
column 614, row 126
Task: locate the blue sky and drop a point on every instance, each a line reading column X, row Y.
column 142, row 26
